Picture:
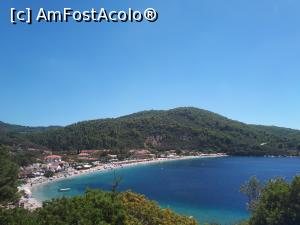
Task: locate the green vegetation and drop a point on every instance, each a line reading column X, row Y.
column 278, row 203
column 25, row 158
column 179, row 129
column 96, row 208
column 15, row 135
column 49, row 174
column 182, row 128
column 252, row 190
column 8, row 178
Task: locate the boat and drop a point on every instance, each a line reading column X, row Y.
column 64, row 189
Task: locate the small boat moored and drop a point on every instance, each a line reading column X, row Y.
column 64, row 189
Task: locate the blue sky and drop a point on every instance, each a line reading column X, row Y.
column 239, row 58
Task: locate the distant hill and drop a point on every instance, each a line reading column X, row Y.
column 5, row 127
column 180, row 128
column 17, row 135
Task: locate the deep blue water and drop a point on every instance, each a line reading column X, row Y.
column 207, row 189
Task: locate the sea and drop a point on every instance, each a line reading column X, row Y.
column 206, row 189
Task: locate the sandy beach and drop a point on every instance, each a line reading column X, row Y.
column 31, row 203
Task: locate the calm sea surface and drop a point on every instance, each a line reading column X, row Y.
column 207, row 189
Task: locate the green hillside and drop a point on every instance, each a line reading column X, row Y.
column 14, row 135
column 180, row 128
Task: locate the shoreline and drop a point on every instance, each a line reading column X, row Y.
column 32, row 202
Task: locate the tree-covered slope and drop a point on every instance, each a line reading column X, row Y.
column 11, row 128
column 180, row 128
column 17, row 135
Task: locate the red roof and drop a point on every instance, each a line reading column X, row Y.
column 53, row 157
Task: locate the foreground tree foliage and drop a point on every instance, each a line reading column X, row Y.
column 252, row 190
column 145, row 212
column 8, row 177
column 96, row 208
column 278, row 204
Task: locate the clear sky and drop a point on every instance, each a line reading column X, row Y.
column 238, row 58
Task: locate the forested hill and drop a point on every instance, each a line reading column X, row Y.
column 180, row 128
column 5, row 127
column 17, row 135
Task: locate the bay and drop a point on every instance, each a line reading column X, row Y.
column 207, row 189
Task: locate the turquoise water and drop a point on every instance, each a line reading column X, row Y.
column 207, row 189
